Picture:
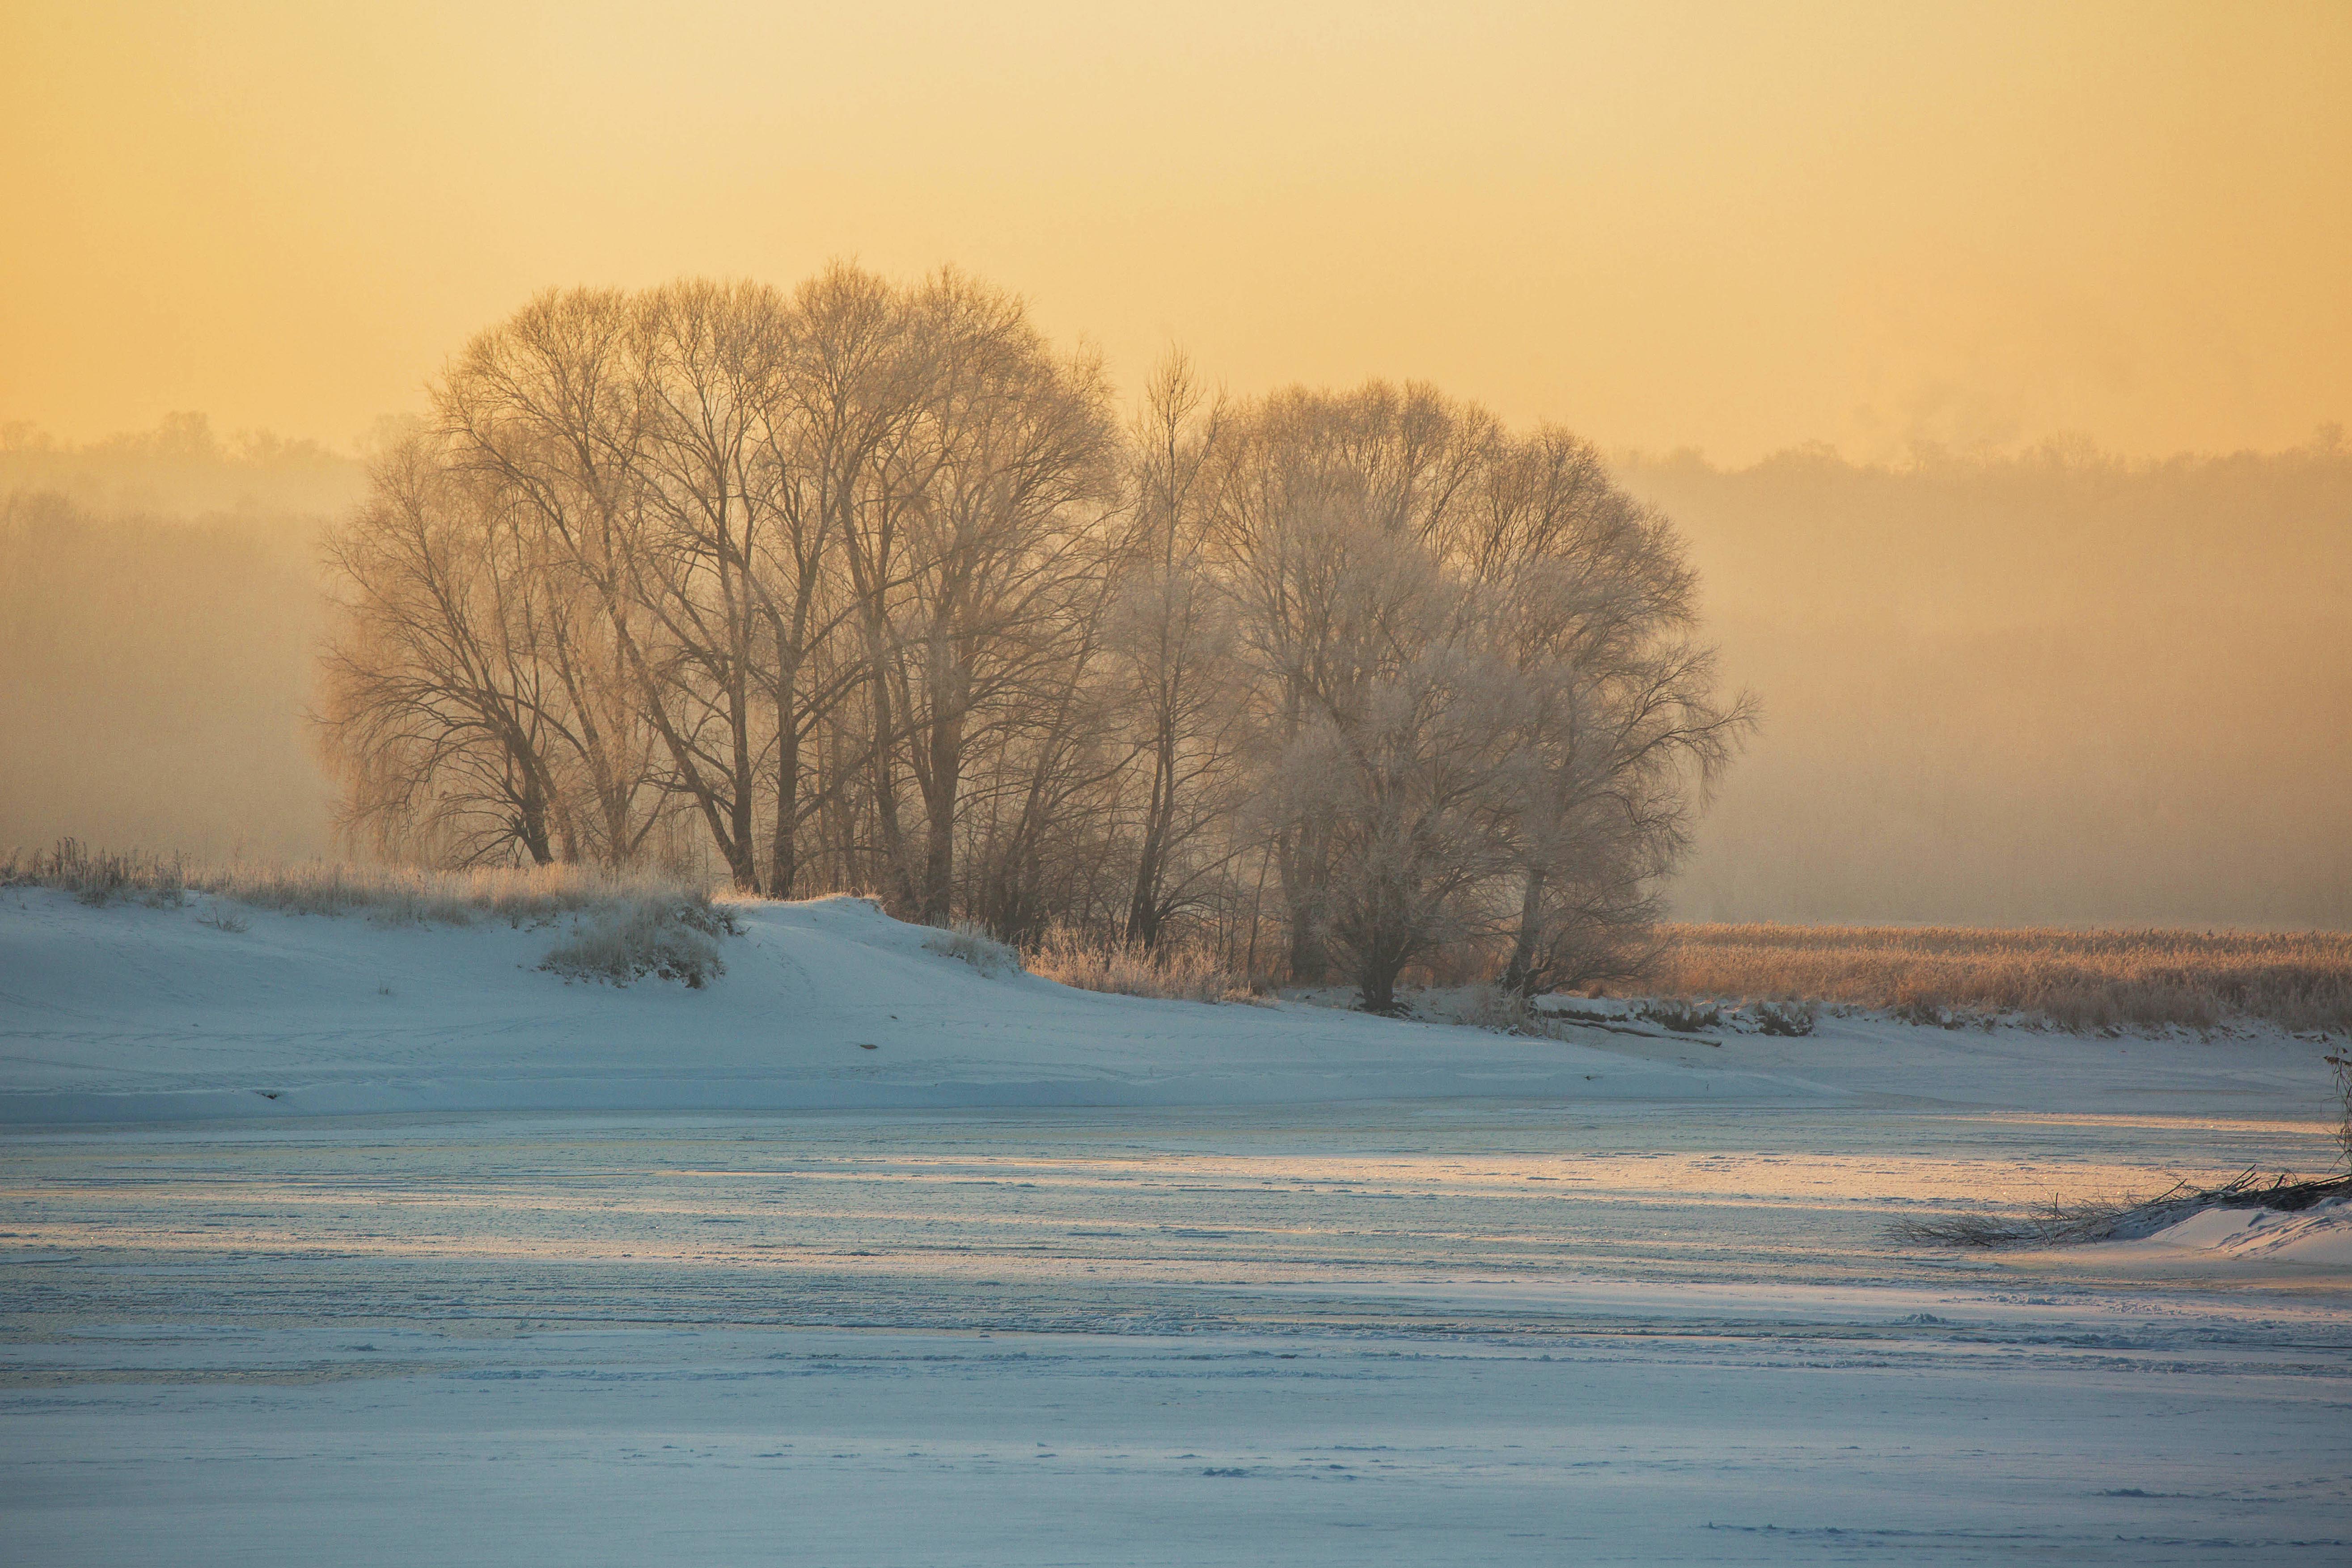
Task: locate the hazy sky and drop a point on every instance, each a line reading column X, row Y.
column 1734, row 228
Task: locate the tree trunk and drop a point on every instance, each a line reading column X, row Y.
column 898, row 889
column 1376, row 977
column 1301, row 859
column 1519, row 976
column 939, row 805
column 784, row 853
column 531, row 820
column 1143, row 908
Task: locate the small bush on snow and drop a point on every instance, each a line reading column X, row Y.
column 975, row 947
column 672, row 939
column 1684, row 1017
column 1787, row 1018
column 1500, row 1009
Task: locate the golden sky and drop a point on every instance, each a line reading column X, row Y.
column 1735, row 227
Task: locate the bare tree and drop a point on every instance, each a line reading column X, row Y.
column 1008, row 467
column 1171, row 638
column 552, row 407
column 704, row 372
column 864, row 580
column 1316, row 496
column 1418, row 819
column 849, row 381
column 1621, row 725
column 464, row 698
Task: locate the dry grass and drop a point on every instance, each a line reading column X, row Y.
column 394, row 894
column 1177, row 974
column 2083, row 980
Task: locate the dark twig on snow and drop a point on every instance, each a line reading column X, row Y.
column 2065, row 1225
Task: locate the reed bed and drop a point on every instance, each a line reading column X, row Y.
column 1183, row 974
column 2083, row 980
column 393, row 894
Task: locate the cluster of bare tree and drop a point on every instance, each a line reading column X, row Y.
column 865, row 587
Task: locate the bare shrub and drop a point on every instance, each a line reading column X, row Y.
column 1172, row 972
column 1924, row 1013
column 1496, row 1005
column 1684, row 1017
column 224, row 919
column 670, row 939
column 1501, row 1009
column 975, row 947
column 1788, row 1019
column 2081, row 981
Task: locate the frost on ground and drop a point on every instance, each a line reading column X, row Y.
column 513, row 1271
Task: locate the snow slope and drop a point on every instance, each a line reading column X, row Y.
column 131, row 1014
column 134, row 1013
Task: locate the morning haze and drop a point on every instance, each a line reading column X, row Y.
column 2054, row 687
column 1992, row 361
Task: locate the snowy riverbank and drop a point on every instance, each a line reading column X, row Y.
column 129, row 1014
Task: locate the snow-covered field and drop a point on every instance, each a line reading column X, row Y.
column 327, row 1242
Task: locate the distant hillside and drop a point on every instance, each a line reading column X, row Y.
column 2052, row 687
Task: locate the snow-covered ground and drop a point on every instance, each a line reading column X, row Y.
column 2319, row 1236
column 512, row 1271
column 136, row 1014
column 132, row 1013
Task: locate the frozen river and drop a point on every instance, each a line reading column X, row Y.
column 1458, row 1332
